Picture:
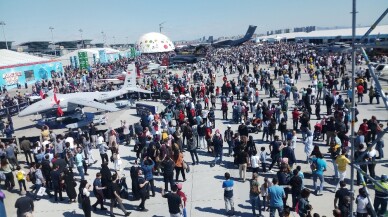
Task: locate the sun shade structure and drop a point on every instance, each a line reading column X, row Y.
column 154, row 42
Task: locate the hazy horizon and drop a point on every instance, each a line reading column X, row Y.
column 125, row 21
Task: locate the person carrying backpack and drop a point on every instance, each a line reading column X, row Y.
column 254, row 194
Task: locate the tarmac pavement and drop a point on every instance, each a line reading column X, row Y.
column 203, row 185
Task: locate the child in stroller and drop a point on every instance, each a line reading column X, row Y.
column 255, row 125
column 317, row 132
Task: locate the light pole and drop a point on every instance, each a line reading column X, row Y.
column 2, row 23
column 103, row 37
column 161, row 26
column 127, row 41
column 52, row 39
column 82, row 40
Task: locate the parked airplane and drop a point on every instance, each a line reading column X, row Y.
column 335, row 47
column 230, row 43
column 70, row 102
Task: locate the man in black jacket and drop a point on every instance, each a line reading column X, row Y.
column 168, row 172
column 296, row 186
column 135, row 185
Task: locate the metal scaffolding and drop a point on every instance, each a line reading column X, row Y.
column 355, row 165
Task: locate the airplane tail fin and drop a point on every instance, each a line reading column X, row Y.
column 251, row 30
column 210, row 40
column 130, row 76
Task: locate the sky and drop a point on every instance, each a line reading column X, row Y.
column 124, row 21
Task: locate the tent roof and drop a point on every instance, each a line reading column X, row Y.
column 10, row 58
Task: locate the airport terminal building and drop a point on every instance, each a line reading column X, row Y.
column 20, row 68
column 378, row 35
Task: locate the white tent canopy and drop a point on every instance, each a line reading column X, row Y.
column 65, row 59
column 8, row 58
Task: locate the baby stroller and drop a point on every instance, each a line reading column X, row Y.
column 256, row 125
column 317, row 132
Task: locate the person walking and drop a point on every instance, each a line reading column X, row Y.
column 56, row 182
column 70, row 185
column 381, row 196
column 242, row 160
column 296, row 183
column 21, row 177
column 24, row 205
column 174, row 201
column 79, row 164
column 103, row 148
column 275, row 148
column 275, row 198
column 342, row 161
column 192, row 147
column 304, row 207
column 183, row 198
column 218, row 145
column 114, row 190
column 25, row 146
column 227, row 185
column 254, row 194
column 144, row 185
column 228, row 138
column 98, row 192
column 168, row 173
column 84, row 194
column 362, row 203
column 318, row 167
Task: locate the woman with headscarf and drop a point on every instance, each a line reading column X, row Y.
column 308, row 144
column 70, row 185
column 84, row 196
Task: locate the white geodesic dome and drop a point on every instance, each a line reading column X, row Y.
column 154, row 42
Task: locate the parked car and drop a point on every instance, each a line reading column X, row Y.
column 381, row 69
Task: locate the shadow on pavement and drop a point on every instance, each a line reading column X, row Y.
column 71, row 214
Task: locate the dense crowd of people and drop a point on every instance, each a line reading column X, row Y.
column 189, row 124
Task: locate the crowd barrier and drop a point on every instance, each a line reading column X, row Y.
column 13, row 110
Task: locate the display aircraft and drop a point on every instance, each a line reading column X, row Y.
column 335, row 47
column 70, row 102
column 231, row 43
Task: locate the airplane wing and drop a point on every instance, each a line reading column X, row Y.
column 93, row 104
column 136, row 89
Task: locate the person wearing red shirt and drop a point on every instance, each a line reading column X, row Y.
column 183, row 197
column 360, row 92
column 181, row 117
column 295, row 118
column 364, row 127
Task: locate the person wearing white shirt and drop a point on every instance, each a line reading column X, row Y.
column 255, row 162
column 70, row 140
column 293, row 140
column 126, row 132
